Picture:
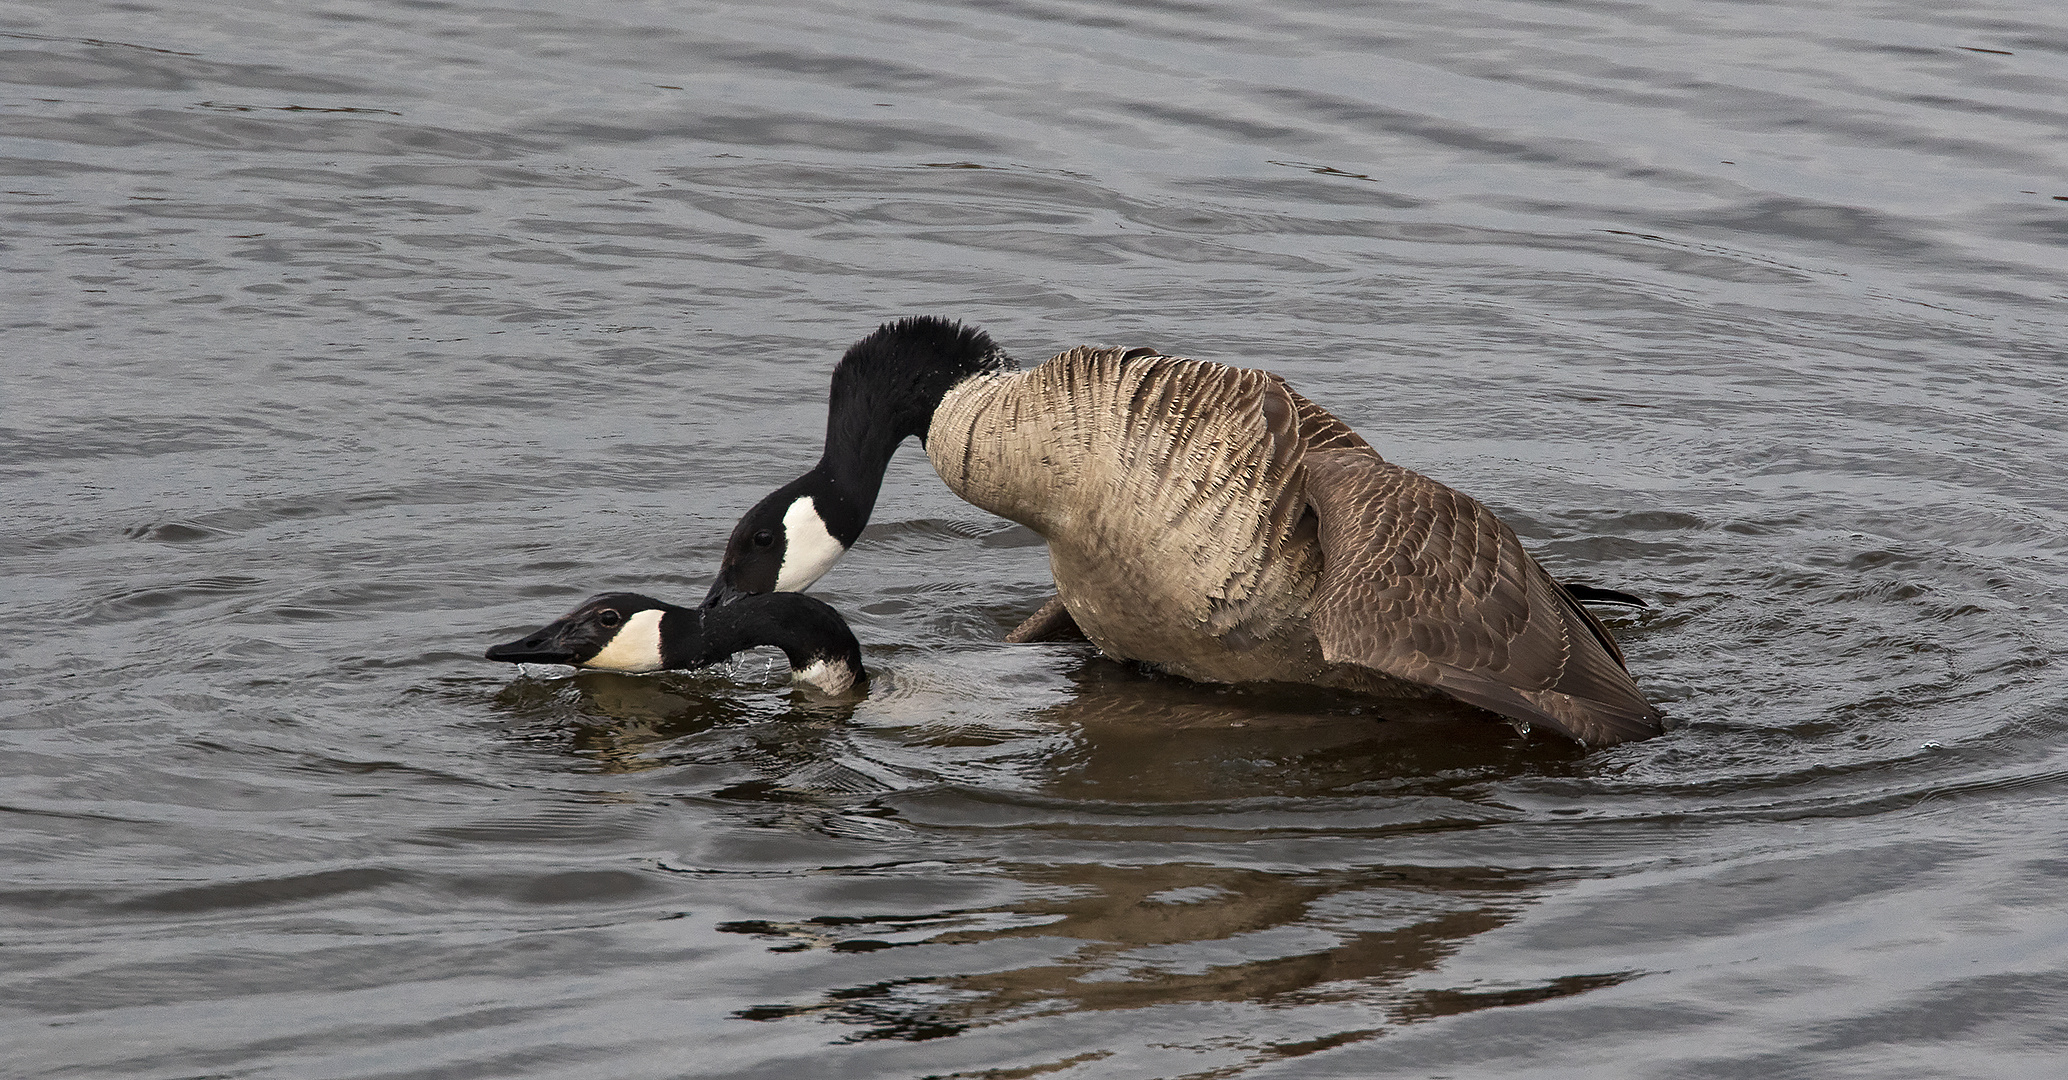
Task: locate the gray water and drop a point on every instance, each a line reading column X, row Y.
column 345, row 339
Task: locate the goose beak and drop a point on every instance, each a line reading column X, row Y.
column 548, row 644
column 723, row 593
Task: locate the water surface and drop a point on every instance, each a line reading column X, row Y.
column 341, row 342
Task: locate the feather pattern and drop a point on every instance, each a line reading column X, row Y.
column 1423, row 583
column 1212, row 522
column 1165, row 489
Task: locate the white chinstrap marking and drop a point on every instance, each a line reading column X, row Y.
column 637, row 646
column 809, row 549
column 826, row 676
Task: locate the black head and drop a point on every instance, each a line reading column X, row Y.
column 787, row 541
column 616, row 631
column 885, row 390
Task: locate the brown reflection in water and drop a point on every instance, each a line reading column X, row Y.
column 1152, row 739
column 1160, row 760
column 1156, row 935
column 1132, row 737
column 1144, row 751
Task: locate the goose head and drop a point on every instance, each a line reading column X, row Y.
column 885, row 390
column 787, row 542
column 632, row 633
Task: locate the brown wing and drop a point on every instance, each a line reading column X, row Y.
column 1421, row 582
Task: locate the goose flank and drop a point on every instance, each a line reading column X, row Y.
column 633, row 633
column 1207, row 521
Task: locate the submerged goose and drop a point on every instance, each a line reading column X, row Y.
column 1207, row 521
column 634, row 633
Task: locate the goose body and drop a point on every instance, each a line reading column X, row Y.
column 1211, row 522
column 633, row 633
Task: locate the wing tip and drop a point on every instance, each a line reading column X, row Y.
column 1614, row 729
column 1591, row 723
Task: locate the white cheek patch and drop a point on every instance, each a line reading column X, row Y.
column 637, row 646
column 809, row 550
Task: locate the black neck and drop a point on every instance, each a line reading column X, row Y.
column 885, row 390
column 806, row 629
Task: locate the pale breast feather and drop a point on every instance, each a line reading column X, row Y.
column 1143, row 459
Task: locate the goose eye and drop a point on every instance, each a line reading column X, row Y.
column 609, row 618
column 764, row 538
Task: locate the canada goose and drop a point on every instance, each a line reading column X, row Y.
column 634, row 633
column 1204, row 520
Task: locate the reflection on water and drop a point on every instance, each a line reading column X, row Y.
column 1138, row 936
column 1116, row 736
column 615, row 719
column 1151, row 756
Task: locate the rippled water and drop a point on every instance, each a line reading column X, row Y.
column 342, row 340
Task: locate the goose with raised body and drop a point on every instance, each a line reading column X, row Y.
column 1207, row 521
column 632, row 633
